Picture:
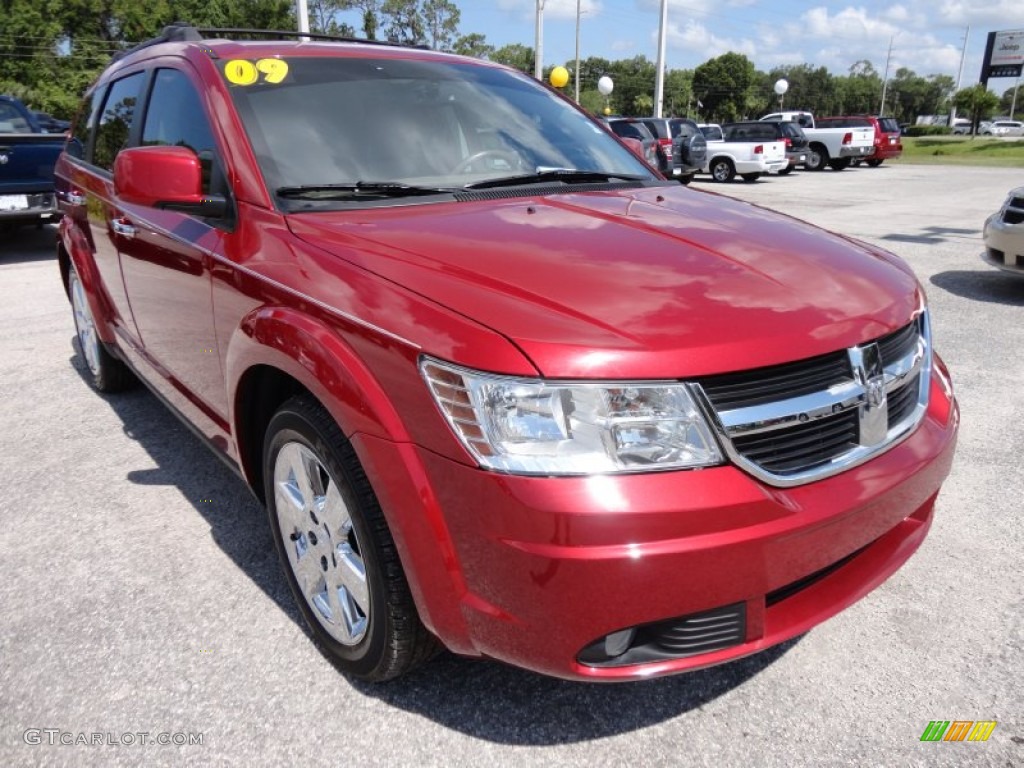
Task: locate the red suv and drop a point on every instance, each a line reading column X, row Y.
column 501, row 388
column 887, row 134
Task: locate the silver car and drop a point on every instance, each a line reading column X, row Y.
column 1004, row 235
column 1002, row 128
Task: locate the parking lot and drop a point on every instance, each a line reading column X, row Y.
column 141, row 593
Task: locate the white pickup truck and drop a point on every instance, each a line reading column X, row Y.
column 834, row 147
column 751, row 161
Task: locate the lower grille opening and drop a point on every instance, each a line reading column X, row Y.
column 675, row 638
column 780, row 594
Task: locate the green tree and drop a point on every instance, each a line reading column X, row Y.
column 371, row 14
column 474, row 45
column 515, row 55
column 441, row 19
column 810, row 88
column 724, row 84
column 406, row 24
column 978, row 102
column 678, row 92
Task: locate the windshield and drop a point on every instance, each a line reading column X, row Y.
column 336, row 121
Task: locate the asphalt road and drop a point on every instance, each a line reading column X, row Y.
column 140, row 593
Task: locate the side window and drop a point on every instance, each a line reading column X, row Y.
column 115, row 122
column 175, row 118
column 84, row 122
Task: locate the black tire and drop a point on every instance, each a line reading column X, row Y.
column 104, row 371
column 751, row 177
column 817, row 158
column 393, row 640
column 874, row 163
column 839, row 163
column 722, row 169
column 686, row 179
column 786, row 171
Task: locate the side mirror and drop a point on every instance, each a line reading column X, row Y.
column 165, row 177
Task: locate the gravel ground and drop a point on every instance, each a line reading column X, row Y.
column 141, row 594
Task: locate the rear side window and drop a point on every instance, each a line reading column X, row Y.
column 12, row 121
column 628, row 130
column 116, row 120
column 657, row 127
column 82, row 126
column 889, row 124
column 176, row 118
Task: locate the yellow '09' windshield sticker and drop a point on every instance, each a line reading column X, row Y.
column 245, row 72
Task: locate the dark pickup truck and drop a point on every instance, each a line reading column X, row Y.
column 27, row 157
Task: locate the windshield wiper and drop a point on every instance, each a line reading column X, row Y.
column 568, row 175
column 356, row 189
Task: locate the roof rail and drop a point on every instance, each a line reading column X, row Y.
column 182, row 31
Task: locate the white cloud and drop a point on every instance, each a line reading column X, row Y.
column 996, row 14
column 555, row 9
column 694, row 38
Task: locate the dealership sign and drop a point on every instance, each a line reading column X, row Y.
column 1004, row 55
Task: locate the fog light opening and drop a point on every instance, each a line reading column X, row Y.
column 617, row 643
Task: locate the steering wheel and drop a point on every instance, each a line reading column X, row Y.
column 466, row 165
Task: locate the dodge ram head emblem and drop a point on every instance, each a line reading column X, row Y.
column 867, row 367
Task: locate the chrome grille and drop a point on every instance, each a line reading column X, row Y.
column 794, row 423
column 801, row 446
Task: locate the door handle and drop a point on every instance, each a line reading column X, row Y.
column 123, row 227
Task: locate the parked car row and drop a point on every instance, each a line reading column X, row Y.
column 777, row 143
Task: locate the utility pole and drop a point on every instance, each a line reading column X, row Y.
column 538, row 61
column 885, row 80
column 577, row 70
column 1013, row 104
column 959, row 77
column 659, row 81
column 302, row 11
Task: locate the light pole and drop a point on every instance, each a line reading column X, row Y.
column 885, row 80
column 659, row 81
column 576, row 72
column 538, row 61
column 302, row 11
column 959, row 77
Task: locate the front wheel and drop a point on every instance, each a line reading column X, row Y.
column 106, row 372
column 817, row 158
column 722, row 170
column 336, row 549
column 874, row 163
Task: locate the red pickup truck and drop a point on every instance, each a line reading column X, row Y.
column 501, row 387
column 887, row 134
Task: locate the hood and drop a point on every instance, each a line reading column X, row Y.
column 661, row 282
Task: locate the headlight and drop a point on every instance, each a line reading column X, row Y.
column 537, row 427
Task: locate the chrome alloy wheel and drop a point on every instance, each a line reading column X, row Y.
column 88, row 340
column 323, row 550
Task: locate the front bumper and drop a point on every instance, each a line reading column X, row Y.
column 533, row 570
column 1004, row 245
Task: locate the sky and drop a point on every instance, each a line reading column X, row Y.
column 927, row 35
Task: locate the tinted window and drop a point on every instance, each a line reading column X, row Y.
column 683, row 128
column 116, row 120
column 889, row 124
column 176, row 118
column 712, row 132
column 82, row 126
column 629, row 130
column 12, row 121
column 657, row 127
